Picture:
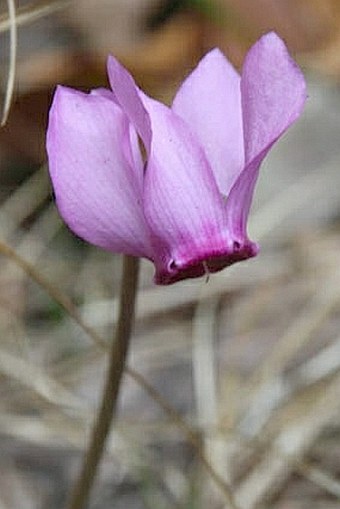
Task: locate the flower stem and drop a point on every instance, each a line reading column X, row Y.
column 106, row 413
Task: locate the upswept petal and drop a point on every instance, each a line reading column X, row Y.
column 97, row 192
column 182, row 203
column 126, row 94
column 273, row 95
column 209, row 100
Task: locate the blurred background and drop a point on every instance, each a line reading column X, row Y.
column 250, row 359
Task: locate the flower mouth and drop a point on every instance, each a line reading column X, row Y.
column 205, row 264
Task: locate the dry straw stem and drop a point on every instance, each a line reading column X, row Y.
column 282, row 388
column 52, row 291
column 300, row 332
column 11, row 22
column 289, row 447
column 266, row 387
column 31, row 13
column 36, row 380
column 12, row 61
column 23, row 201
column 321, row 478
column 190, row 435
column 203, row 359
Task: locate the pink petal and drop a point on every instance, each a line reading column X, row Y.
column 98, row 193
column 182, row 203
column 126, row 94
column 273, row 95
column 209, row 100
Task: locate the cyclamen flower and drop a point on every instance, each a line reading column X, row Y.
column 186, row 207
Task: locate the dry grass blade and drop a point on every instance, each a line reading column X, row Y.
column 190, row 435
column 23, row 201
column 310, row 319
column 31, row 13
column 288, row 449
column 34, row 242
column 204, row 369
column 323, row 479
column 37, row 381
column 292, row 198
column 281, row 388
column 12, row 61
column 52, row 291
column 51, row 429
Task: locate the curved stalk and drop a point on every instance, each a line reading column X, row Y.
column 107, row 410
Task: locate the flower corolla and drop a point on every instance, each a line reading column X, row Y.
column 185, row 205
